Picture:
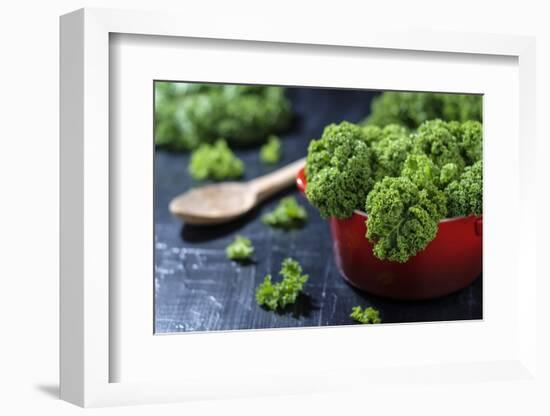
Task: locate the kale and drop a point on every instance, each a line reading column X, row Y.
column 240, row 249
column 270, row 152
column 411, row 109
column 470, row 139
column 367, row 316
column 280, row 294
column 390, row 151
column 338, row 170
column 215, row 161
column 288, row 214
column 187, row 115
column 465, row 194
column 435, row 139
column 409, row 180
column 402, row 217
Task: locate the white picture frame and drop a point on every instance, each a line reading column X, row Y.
column 93, row 321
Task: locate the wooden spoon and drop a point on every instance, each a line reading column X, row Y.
column 223, row 202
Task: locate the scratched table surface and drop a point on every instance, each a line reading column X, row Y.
column 198, row 289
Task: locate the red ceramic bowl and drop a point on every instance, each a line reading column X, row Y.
column 450, row 262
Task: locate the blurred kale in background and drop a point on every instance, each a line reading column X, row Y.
column 411, row 109
column 188, row 114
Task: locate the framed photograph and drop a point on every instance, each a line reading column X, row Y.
column 281, row 213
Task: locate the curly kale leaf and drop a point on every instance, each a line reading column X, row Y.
column 435, row 139
column 411, row 109
column 215, row 161
column 267, row 294
column 270, row 152
column 420, row 170
column 187, row 115
column 280, row 294
column 461, row 107
column 465, row 195
column 470, row 139
column 367, row 316
column 390, row 151
column 448, row 173
column 240, row 249
column 371, row 134
column 402, row 217
column 338, row 170
column 288, row 214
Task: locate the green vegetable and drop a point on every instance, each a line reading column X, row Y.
column 187, row 115
column 367, row 316
column 411, row 109
column 461, row 107
column 402, row 217
column 465, row 195
column 271, row 151
column 391, row 151
column 240, row 249
column 338, row 170
column 288, row 214
column 280, row 294
column 371, row 134
column 470, row 139
column 421, row 170
column 449, row 172
column 435, row 139
column 215, row 161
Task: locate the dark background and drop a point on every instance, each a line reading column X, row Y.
column 198, row 289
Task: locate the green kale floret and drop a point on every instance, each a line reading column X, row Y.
column 240, row 249
column 270, row 152
column 390, row 151
column 215, row 161
column 280, row 294
column 338, row 170
column 288, row 214
column 465, row 195
column 367, row 316
column 470, row 139
column 411, row 109
column 371, row 134
column 187, row 115
column 461, row 107
column 448, row 173
column 435, row 139
column 421, row 170
column 402, row 217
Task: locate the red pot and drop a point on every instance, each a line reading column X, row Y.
column 450, row 262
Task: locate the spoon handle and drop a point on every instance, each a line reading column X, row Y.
column 273, row 182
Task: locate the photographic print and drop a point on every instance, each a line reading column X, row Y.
column 286, row 207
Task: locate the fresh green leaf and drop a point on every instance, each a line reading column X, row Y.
column 215, row 161
column 240, row 249
column 189, row 114
column 411, row 109
column 270, row 152
column 288, row 214
column 280, row 294
column 338, row 170
column 367, row 316
column 402, row 218
column 465, row 194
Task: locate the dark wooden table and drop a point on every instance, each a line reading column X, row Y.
column 198, row 289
